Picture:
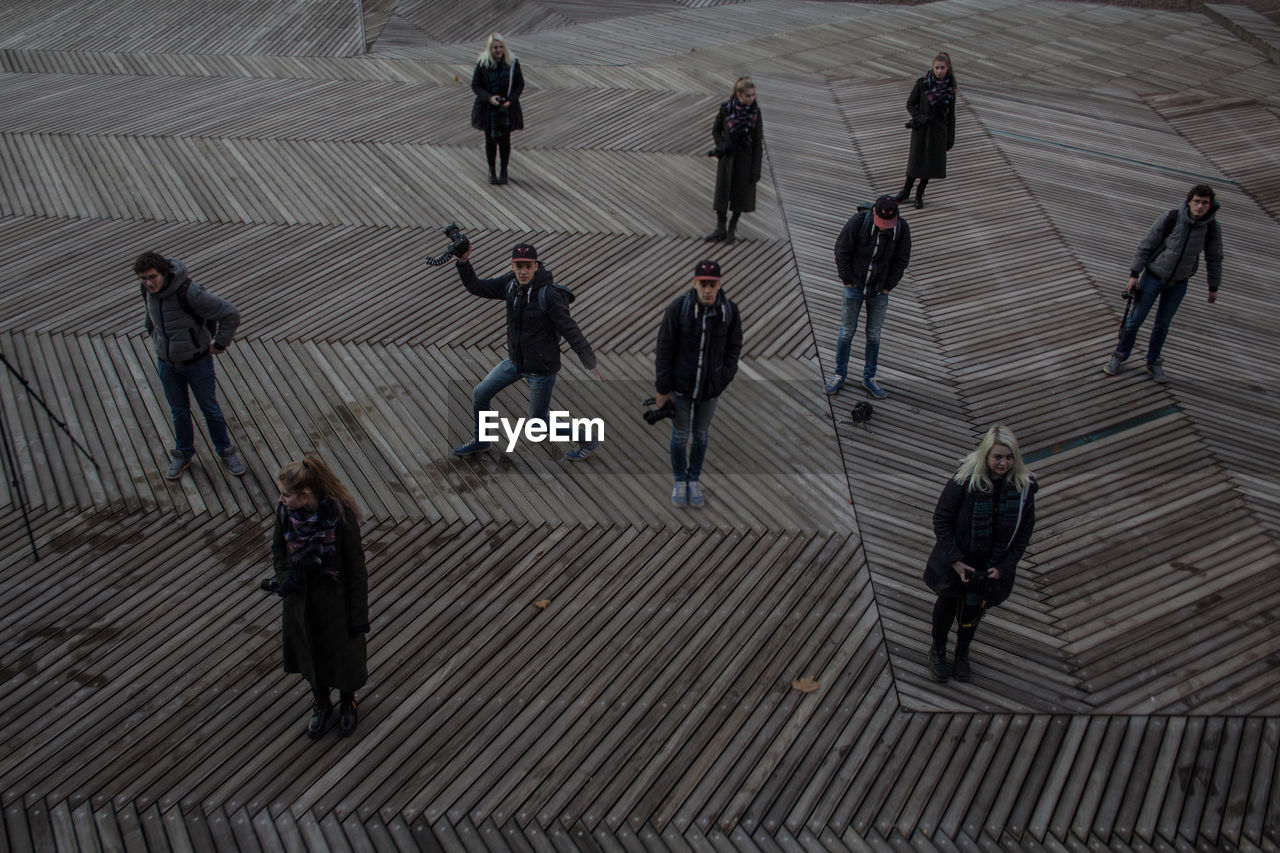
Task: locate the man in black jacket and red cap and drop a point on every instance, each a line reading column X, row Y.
column 537, row 317
column 872, row 252
column 699, row 342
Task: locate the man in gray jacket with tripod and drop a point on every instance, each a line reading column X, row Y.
column 1166, row 258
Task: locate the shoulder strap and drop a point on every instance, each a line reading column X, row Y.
column 686, row 309
column 1170, row 220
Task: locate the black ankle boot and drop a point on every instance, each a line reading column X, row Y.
column 319, row 720
column 960, row 666
column 938, row 663
column 346, row 716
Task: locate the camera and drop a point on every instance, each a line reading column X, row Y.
column 913, row 123
column 458, row 242
column 287, row 584
column 721, row 150
column 976, row 584
column 1126, row 295
column 458, row 246
column 652, row 416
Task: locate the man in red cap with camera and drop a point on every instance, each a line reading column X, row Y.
column 872, row 252
column 537, row 317
column 699, row 342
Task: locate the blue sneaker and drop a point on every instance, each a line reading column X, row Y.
column 581, row 452
column 836, row 383
column 874, row 390
column 695, row 494
column 471, row 447
column 679, row 493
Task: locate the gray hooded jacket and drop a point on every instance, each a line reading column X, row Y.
column 176, row 335
column 1177, row 257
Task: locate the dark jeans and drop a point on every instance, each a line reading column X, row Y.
column 692, row 421
column 504, row 375
column 199, row 379
column 1150, row 289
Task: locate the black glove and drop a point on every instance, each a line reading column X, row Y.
column 290, row 584
column 269, row 585
column 357, row 630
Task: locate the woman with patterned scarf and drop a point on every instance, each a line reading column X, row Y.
column 982, row 523
column 498, row 84
column 933, row 126
column 739, row 143
column 320, row 574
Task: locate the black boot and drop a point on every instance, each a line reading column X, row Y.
column 731, row 235
column 491, row 154
column 920, row 193
column 346, row 714
column 906, row 190
column 719, row 234
column 319, row 722
column 938, row 663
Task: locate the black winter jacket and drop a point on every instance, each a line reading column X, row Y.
column 533, row 335
column 854, row 249
column 698, row 348
column 509, row 81
column 953, row 531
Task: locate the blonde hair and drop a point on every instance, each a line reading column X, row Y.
column 741, row 85
column 973, row 472
column 312, row 475
column 486, row 56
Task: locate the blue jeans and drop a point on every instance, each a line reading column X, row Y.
column 500, row 377
column 199, row 378
column 850, row 309
column 690, row 418
column 1149, row 289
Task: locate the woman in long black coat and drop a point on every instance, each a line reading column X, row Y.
column 982, row 523
column 498, row 84
column 932, row 105
column 739, row 143
column 320, row 573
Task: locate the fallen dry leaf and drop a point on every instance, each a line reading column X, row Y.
column 542, row 603
column 805, row 685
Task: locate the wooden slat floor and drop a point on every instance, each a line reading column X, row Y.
column 1126, row 698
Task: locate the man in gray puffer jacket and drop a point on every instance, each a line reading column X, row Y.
column 1168, row 256
column 187, row 326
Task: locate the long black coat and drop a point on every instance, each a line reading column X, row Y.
column 953, row 531
column 509, row 74
column 737, row 172
column 317, row 622
column 930, row 143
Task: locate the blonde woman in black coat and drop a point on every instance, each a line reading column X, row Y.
column 739, row 143
column 498, row 84
column 932, row 105
column 982, row 523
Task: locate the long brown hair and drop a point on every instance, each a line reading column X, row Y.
column 741, row 85
column 311, row 474
column 945, row 57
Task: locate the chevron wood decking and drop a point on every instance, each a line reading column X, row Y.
column 560, row 659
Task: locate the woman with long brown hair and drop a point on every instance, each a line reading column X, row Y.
column 320, row 574
column 932, row 105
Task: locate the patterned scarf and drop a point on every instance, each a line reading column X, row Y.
column 742, row 119
column 941, row 93
column 994, row 512
column 308, row 535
